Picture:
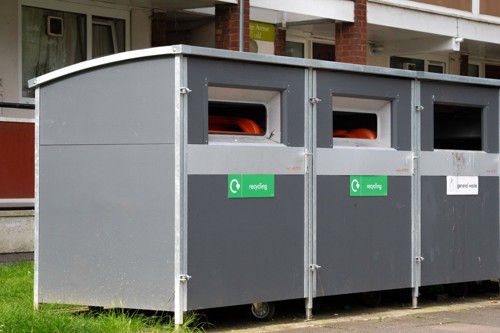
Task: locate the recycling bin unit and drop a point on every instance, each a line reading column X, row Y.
column 184, row 178
column 459, row 183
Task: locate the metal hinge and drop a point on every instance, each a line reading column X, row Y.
column 314, row 267
column 314, row 100
column 184, row 277
column 185, row 90
column 419, row 108
column 419, row 259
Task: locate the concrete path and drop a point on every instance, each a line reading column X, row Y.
column 478, row 314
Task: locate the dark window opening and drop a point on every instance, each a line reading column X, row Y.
column 407, row 63
column 457, row 127
column 236, row 118
column 354, row 125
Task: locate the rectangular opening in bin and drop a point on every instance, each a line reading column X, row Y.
column 242, row 115
column 457, row 127
column 236, row 118
column 361, row 121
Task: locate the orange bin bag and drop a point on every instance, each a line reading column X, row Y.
column 233, row 125
column 357, row 133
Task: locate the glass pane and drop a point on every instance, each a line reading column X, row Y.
column 43, row 52
column 435, row 68
column 108, row 36
column 295, row 49
column 473, row 70
column 102, row 40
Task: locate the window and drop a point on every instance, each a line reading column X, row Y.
column 62, row 40
column 457, row 127
column 473, row 70
column 244, row 115
column 295, row 49
column 107, row 36
column 361, row 122
column 407, row 63
column 436, row 67
column 43, row 53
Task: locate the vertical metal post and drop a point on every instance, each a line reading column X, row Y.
column 310, row 209
column 416, row 192
column 498, row 161
column 36, row 299
column 181, row 277
column 242, row 27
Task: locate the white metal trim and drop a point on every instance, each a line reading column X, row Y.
column 416, row 238
column 18, row 202
column 16, row 120
column 36, row 295
column 180, row 220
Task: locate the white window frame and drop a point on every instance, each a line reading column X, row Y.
column 91, row 11
column 112, row 25
column 307, row 40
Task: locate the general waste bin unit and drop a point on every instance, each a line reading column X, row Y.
column 183, row 178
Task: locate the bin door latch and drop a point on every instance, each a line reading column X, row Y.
column 314, row 100
column 419, row 108
column 184, row 277
column 314, row 267
column 185, row 90
column 419, row 259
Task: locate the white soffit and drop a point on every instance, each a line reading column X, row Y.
column 340, row 10
column 437, row 24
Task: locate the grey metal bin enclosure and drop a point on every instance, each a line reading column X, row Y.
column 133, row 192
column 364, row 242
column 460, row 228
column 106, row 186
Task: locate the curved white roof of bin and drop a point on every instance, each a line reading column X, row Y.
column 253, row 57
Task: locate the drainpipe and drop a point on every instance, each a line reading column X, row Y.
column 242, row 19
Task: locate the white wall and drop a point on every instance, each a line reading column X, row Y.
column 140, row 30
column 204, row 35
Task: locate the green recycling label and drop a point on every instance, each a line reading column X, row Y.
column 368, row 186
column 250, row 186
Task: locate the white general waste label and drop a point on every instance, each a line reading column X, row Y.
column 462, row 185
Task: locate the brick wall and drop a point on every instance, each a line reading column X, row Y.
column 159, row 29
column 350, row 38
column 227, row 26
column 280, row 42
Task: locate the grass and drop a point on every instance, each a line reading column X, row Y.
column 17, row 313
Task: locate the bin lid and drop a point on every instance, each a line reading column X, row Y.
column 254, row 57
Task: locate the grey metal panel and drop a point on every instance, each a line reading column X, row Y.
column 227, row 159
column 117, row 104
column 106, row 225
column 363, row 243
column 290, row 81
column 363, row 161
column 460, row 233
column 458, row 163
column 449, row 93
column 244, row 250
column 365, row 86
